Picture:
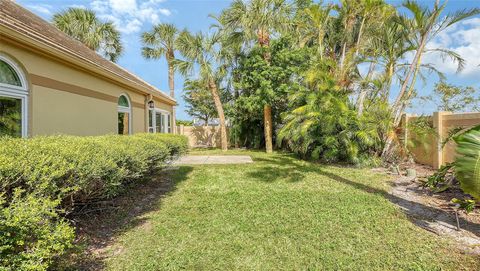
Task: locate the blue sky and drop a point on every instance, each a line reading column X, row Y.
column 135, row 16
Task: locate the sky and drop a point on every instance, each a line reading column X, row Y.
column 132, row 17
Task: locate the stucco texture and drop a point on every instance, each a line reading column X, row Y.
column 68, row 109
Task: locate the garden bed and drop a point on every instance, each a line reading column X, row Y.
column 434, row 211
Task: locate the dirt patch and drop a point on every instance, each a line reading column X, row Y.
column 100, row 223
column 434, row 211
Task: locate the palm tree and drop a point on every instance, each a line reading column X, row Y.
column 424, row 25
column 158, row 43
column 348, row 12
column 257, row 20
column 312, row 26
column 374, row 14
column 393, row 45
column 202, row 51
column 84, row 26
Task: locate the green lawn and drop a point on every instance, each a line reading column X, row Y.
column 280, row 213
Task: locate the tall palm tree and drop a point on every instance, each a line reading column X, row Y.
column 202, row 51
column 424, row 25
column 158, row 43
column 255, row 21
column 84, row 26
column 393, row 45
column 374, row 14
column 348, row 13
column 312, row 26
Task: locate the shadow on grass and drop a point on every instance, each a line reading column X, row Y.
column 97, row 228
column 294, row 170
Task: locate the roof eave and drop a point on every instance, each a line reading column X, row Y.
column 77, row 61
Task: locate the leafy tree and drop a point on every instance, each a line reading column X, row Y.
column 84, row 26
column 199, row 99
column 201, row 51
column 258, row 80
column 257, row 20
column 453, row 98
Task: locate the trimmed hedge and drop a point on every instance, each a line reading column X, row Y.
column 42, row 177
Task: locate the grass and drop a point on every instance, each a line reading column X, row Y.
column 280, row 213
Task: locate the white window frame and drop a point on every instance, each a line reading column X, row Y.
column 164, row 115
column 17, row 92
column 124, row 109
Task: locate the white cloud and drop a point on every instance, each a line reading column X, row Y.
column 123, row 6
column 131, row 27
column 130, row 15
column 165, row 11
column 77, row 6
column 41, row 8
column 462, row 38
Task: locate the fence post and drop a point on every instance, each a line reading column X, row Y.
column 438, row 151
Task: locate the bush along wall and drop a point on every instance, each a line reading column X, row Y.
column 42, row 178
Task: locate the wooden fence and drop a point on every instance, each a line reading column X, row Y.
column 430, row 151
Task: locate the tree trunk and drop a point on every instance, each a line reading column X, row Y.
column 171, row 80
column 218, row 104
column 171, row 84
column 357, row 46
column 405, row 101
column 321, row 36
column 342, row 58
column 264, row 41
column 388, row 80
column 397, row 113
column 267, row 126
column 402, row 101
column 363, row 91
column 411, row 71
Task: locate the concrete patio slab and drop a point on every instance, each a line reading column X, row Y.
column 213, row 159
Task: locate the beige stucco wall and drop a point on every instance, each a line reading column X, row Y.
column 431, row 152
column 451, row 121
column 59, row 111
column 201, row 136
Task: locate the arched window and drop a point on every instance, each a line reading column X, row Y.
column 124, row 115
column 13, row 99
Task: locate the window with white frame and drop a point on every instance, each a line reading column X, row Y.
column 13, row 99
column 159, row 121
column 124, row 110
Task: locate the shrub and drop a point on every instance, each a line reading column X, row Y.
column 44, row 176
column 33, row 233
column 323, row 126
column 185, row 122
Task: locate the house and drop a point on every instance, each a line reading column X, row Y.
column 53, row 84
